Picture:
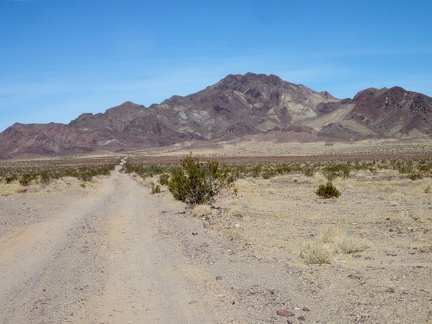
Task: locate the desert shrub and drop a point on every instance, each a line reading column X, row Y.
column 256, row 171
column 26, row 179
column 155, row 188
column 416, row 175
column 10, row 178
column 309, row 170
column 329, row 235
column 404, row 166
column 333, row 171
column 164, row 179
column 45, row 177
column 268, row 174
column 316, row 252
column 330, row 242
column 144, row 171
column 196, row 183
column 328, row 191
column 349, row 244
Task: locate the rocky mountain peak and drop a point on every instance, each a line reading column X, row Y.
column 235, row 107
column 250, row 84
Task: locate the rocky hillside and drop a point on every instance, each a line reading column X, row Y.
column 236, row 106
column 394, row 113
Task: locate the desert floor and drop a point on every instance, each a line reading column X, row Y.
column 112, row 252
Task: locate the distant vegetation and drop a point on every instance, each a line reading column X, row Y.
column 42, row 172
column 194, row 182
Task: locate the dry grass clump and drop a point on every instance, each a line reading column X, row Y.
column 316, row 252
column 330, row 242
column 349, row 244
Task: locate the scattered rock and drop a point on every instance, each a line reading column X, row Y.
column 305, row 309
column 353, row 276
column 301, row 318
column 218, row 278
column 285, row 313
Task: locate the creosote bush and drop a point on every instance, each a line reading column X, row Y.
column 328, row 191
column 197, row 183
column 164, row 179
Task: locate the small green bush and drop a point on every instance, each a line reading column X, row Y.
column 44, row 177
column 164, row 179
column 328, row 191
column 332, row 171
column 309, row 171
column 26, row 179
column 196, row 183
column 416, row 176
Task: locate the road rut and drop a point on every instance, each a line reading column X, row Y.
column 99, row 260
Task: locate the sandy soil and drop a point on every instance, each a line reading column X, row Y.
column 114, row 253
column 93, row 256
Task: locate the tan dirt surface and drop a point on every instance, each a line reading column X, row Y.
column 93, row 256
column 114, row 253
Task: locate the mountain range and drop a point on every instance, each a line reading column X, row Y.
column 236, row 107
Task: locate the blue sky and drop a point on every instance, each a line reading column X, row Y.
column 61, row 58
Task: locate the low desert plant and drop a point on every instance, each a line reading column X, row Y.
column 155, row 188
column 26, row 179
column 416, row 175
column 45, row 177
column 349, row 244
column 328, row 191
column 330, row 242
column 197, row 183
column 309, row 171
column 332, row 171
column 164, row 179
column 329, row 235
column 316, row 252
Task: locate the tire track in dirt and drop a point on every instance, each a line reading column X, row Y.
column 34, row 245
column 99, row 261
column 145, row 280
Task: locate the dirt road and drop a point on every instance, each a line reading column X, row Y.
column 114, row 253
column 97, row 260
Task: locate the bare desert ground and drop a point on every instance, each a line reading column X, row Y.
column 112, row 252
